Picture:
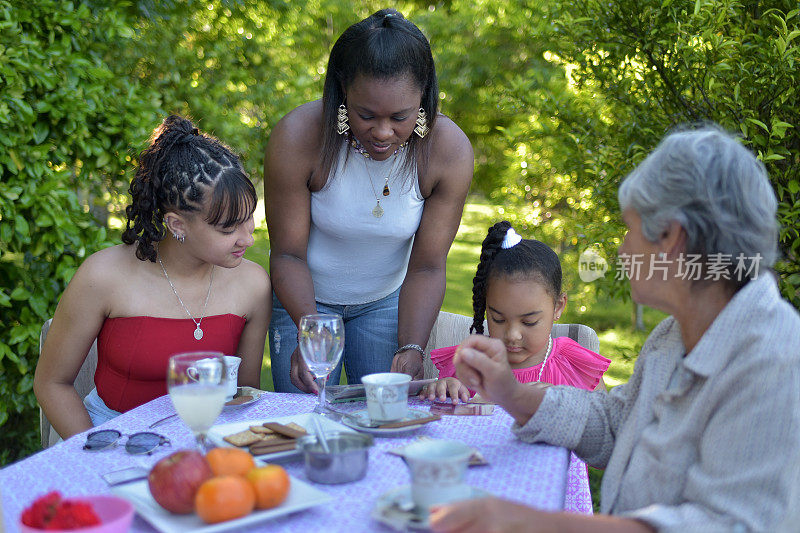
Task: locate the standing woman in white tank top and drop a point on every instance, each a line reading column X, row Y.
column 364, row 191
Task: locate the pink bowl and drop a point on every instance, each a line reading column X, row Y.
column 115, row 515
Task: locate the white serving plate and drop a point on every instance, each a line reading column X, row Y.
column 217, row 433
column 301, row 496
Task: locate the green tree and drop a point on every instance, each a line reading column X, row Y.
column 66, row 123
column 650, row 65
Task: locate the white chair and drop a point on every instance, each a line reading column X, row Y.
column 84, row 383
column 450, row 329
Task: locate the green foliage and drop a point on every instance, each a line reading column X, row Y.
column 66, row 121
column 560, row 100
column 649, row 65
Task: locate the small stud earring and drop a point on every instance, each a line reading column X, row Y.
column 179, row 238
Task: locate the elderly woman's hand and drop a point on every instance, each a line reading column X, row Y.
column 482, row 365
column 488, row 515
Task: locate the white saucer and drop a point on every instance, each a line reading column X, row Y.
column 245, row 391
column 396, row 509
column 362, row 417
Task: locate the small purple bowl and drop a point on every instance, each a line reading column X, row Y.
column 115, row 515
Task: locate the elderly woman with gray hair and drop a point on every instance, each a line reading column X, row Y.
column 705, row 436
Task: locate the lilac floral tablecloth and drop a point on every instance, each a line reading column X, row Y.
column 542, row 476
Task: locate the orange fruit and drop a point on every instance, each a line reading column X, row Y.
column 271, row 484
column 224, row 498
column 230, row 461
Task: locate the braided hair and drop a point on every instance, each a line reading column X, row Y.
column 178, row 170
column 529, row 259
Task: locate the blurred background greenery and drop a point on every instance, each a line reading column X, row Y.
column 559, row 98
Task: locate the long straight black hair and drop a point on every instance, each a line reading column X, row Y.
column 384, row 45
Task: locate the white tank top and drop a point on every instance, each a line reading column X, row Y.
column 354, row 256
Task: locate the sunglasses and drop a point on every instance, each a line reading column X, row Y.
column 137, row 444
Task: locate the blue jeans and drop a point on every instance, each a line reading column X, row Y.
column 99, row 412
column 370, row 337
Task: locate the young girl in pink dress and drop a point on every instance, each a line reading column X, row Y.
column 517, row 287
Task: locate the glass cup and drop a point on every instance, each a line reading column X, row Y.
column 321, row 342
column 197, row 383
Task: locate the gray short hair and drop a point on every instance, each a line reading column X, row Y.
column 713, row 187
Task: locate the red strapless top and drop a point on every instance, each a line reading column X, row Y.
column 132, row 353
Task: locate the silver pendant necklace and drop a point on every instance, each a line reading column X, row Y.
column 198, row 332
column 546, row 355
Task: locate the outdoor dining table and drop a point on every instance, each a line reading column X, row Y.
column 538, row 475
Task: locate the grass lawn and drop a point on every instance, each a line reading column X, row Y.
column 612, row 319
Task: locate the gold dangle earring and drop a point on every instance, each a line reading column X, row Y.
column 342, row 126
column 422, row 128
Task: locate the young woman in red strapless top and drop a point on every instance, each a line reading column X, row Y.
column 154, row 296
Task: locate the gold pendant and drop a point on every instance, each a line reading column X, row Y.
column 377, row 211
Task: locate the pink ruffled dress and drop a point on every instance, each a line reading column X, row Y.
column 569, row 364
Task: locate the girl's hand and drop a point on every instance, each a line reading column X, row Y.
column 442, row 388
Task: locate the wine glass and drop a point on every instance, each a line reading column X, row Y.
column 197, row 386
column 321, row 342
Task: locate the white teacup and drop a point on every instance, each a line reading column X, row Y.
column 437, row 471
column 387, row 396
column 232, row 366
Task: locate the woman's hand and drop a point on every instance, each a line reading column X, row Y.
column 408, row 362
column 442, row 388
column 301, row 376
column 444, row 183
column 482, row 365
column 488, row 515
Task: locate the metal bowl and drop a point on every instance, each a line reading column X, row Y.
column 345, row 462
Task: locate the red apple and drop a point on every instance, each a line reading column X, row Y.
column 174, row 480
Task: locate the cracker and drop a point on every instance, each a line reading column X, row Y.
column 243, row 438
column 261, row 430
column 264, row 449
column 273, row 439
column 298, row 427
column 239, row 400
column 290, row 430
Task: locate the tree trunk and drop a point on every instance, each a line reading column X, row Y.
column 637, row 317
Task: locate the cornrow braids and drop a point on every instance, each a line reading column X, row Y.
column 176, row 170
column 528, row 259
column 489, row 248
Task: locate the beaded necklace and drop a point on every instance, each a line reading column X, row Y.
column 546, row 355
